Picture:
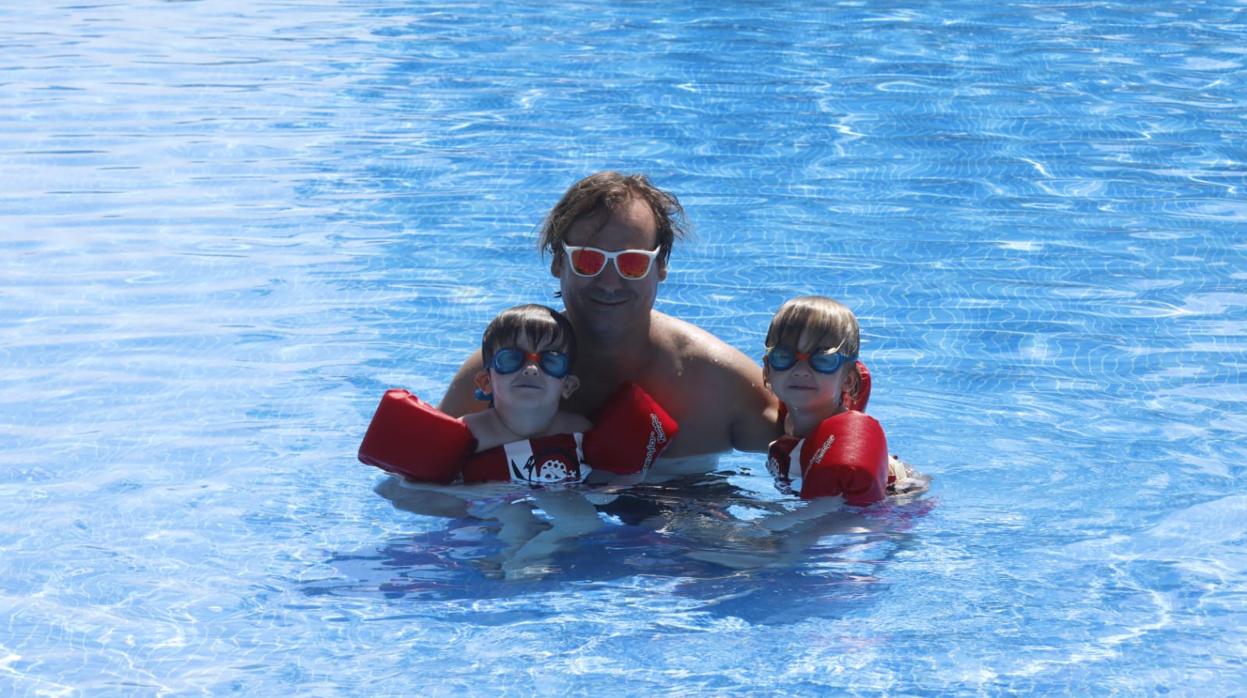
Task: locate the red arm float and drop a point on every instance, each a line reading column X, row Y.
column 631, row 431
column 415, row 439
column 846, row 455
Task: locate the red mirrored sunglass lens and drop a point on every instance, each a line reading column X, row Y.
column 632, row 265
column 588, row 261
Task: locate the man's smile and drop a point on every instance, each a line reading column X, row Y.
column 610, row 300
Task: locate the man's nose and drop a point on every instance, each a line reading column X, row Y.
column 609, row 278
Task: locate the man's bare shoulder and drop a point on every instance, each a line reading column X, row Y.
column 724, row 387
column 705, row 357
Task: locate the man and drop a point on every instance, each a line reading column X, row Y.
column 610, row 237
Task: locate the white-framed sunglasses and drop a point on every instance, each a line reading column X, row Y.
column 588, row 262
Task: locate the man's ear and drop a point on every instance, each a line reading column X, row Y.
column 569, row 386
column 482, row 381
column 556, row 265
column 662, row 270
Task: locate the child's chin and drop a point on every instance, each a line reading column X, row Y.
column 804, row 399
column 529, row 397
column 803, row 394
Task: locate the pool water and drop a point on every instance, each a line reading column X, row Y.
column 227, row 227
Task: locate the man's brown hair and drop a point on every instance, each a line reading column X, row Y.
column 605, row 192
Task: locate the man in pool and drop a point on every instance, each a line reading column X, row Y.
column 610, row 237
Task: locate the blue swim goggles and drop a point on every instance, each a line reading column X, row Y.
column 782, row 359
column 555, row 364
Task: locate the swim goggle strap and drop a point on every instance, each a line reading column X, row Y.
column 588, row 262
column 782, row 359
column 555, row 364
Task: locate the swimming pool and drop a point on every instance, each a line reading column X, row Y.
column 226, row 227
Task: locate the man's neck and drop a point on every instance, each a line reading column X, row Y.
column 623, row 353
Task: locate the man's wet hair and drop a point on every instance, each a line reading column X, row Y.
column 545, row 327
column 603, row 193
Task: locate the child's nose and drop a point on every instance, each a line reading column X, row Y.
column 530, row 368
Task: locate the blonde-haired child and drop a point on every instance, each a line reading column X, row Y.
column 830, row 447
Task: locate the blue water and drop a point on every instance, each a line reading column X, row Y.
column 226, row 227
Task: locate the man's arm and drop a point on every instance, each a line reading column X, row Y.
column 755, row 423
column 460, row 398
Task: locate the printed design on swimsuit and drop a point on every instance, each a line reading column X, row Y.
column 546, row 461
column 772, row 465
column 783, row 461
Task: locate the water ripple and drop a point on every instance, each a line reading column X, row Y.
column 227, row 227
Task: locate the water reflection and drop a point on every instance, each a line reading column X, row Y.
column 720, row 546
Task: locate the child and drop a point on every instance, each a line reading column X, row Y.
column 528, row 353
column 829, row 446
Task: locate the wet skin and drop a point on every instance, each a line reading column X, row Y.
column 715, row 392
